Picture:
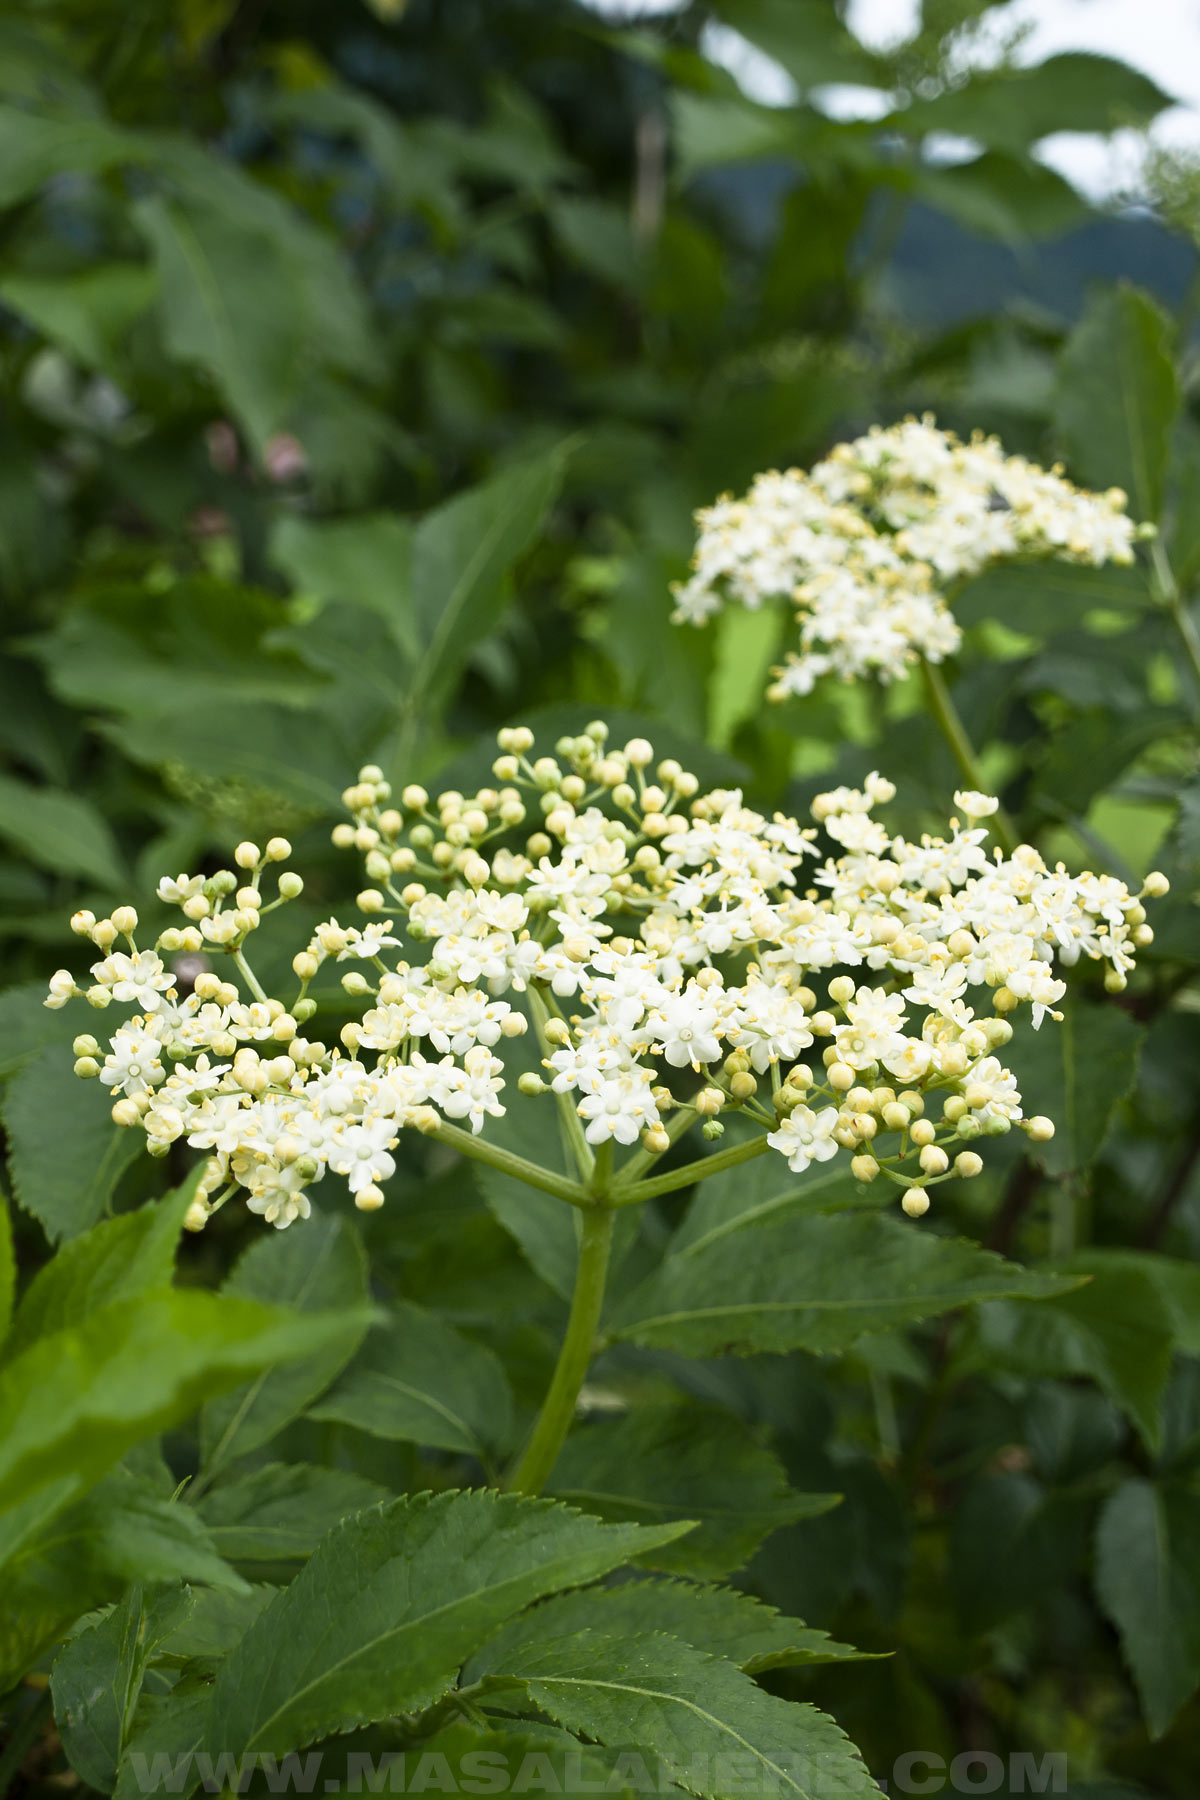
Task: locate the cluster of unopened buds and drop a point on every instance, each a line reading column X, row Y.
column 866, row 544
column 683, row 960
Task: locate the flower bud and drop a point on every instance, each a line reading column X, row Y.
column 743, row 1085
column 369, row 1198
column 712, row 1129
column 864, row 1168
column 921, row 1131
column 342, row 837
column 86, row 1067
column 125, row 919
column 1039, row 1128
column 104, row 934
column 841, row 1077
column 1155, row 885
column 933, row 1159
column 126, row 1112
column 823, row 1024
column 530, row 1084
column 514, row 1025
column 915, row 1203
column 196, row 907
column 655, row 1140
column 369, row 901
column 841, row 990
column 968, row 1164
column 83, row 923
column 896, row 1117
column 247, row 855
column 708, row 1102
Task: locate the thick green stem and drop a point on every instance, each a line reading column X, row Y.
column 248, row 975
column 509, row 1163
column 961, row 748
column 716, row 1164
column 558, row 1409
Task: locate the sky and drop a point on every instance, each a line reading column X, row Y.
column 1160, row 37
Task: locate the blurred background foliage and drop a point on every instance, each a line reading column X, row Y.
column 361, row 368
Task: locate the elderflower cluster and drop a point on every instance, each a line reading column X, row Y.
column 865, row 544
column 680, row 956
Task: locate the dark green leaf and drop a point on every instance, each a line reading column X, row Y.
column 693, row 1711
column 815, row 1284
column 96, row 1682
column 1148, row 1580
column 364, row 561
column 65, row 1155
column 281, row 1512
column 1079, row 1071
column 416, row 1378
column 319, row 1268
column 682, row 1461
column 57, row 831
column 390, row 1605
column 1118, row 397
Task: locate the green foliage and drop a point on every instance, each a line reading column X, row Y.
column 361, row 376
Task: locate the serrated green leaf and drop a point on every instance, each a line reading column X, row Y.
column 1119, row 397
column 392, row 1603
column 116, row 1260
column 63, row 832
column 1148, row 1581
column 319, row 1268
column 281, row 1512
column 720, row 1620
column 165, row 1735
column 815, row 1284
column 65, row 1155
column 700, row 1714
column 680, row 1461
column 765, row 1190
column 96, row 1681
column 418, row 1379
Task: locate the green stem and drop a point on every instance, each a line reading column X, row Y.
column 571, row 1122
column 558, row 1409
column 961, row 748
column 623, row 1195
column 509, row 1163
column 248, row 975
column 1173, row 601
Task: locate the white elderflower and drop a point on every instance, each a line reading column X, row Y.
column 805, row 1137
column 866, row 542
column 656, row 940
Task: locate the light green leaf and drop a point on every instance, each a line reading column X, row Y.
column 699, row 1462
column 1078, row 1071
column 381, row 1618
column 122, row 1531
column 57, row 831
column 75, row 1401
column 116, row 1260
column 815, row 1284
column 462, row 557
column 34, row 149
column 364, row 561
column 281, row 1512
column 1118, row 397
column 315, row 1269
column 418, row 1379
column 1148, row 1581
column 747, row 645
column 86, row 314
column 65, row 1155
column 701, row 1715
column 96, row 1681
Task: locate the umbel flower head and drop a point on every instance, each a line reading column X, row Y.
column 866, row 543
column 681, row 958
